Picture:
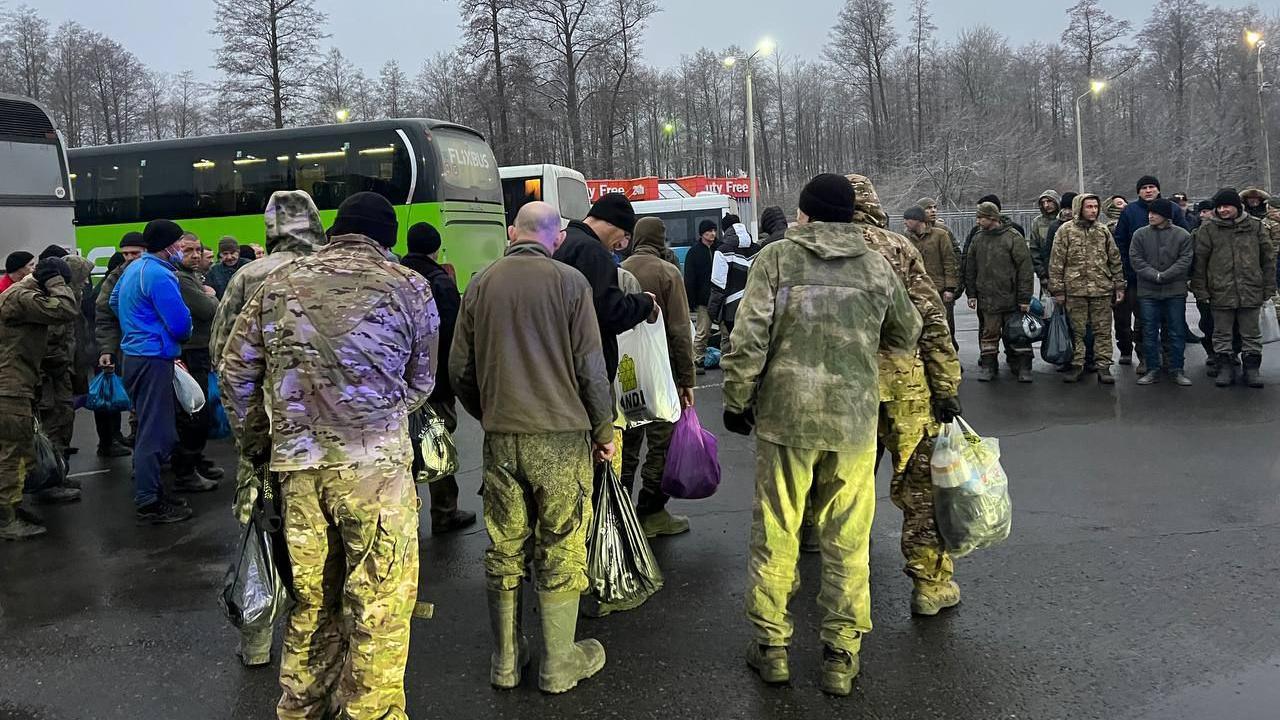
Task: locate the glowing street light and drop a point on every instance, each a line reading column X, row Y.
column 342, row 115
column 668, row 128
column 1256, row 42
column 764, row 47
column 1253, row 37
column 1095, row 88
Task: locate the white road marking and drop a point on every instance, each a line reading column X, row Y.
column 89, row 472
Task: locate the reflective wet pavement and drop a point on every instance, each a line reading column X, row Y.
column 1140, row 582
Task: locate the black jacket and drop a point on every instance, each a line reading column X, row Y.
column 697, row 275
column 729, row 268
column 445, row 291
column 616, row 311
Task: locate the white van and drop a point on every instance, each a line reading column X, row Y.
column 562, row 187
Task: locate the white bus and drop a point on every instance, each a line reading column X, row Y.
column 564, row 188
column 683, row 215
column 36, row 206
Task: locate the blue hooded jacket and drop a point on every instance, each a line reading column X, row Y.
column 154, row 320
column 1133, row 218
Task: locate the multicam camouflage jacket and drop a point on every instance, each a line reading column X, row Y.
column 934, row 368
column 1085, row 261
column 329, row 357
column 817, row 306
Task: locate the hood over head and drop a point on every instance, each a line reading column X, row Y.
column 1052, row 195
column 866, row 202
column 649, row 233
column 773, row 220
column 1110, row 210
column 293, row 222
column 81, row 269
column 1077, row 203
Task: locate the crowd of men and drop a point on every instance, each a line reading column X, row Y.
column 839, row 342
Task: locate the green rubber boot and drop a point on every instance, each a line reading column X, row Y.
column 255, row 646
column 510, row 650
column 565, row 663
column 663, row 523
column 839, row 668
column 771, row 663
column 929, row 598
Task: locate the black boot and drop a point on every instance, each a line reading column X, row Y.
column 1226, row 370
column 1024, row 368
column 987, row 368
column 1252, row 370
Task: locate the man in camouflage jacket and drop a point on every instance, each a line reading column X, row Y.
column 320, row 373
column 804, row 373
column 1086, row 273
column 998, row 280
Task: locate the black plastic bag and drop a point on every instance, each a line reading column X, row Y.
column 1057, row 348
column 1022, row 329
column 256, row 587
column 434, row 455
column 48, row 468
column 620, row 563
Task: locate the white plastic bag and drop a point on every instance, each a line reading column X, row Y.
column 1269, row 323
column 644, row 386
column 970, row 490
column 190, row 396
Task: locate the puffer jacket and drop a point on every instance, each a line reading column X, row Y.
column 729, row 267
column 1084, row 261
column 997, row 269
column 1235, row 264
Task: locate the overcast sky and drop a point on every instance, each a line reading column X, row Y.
column 172, row 35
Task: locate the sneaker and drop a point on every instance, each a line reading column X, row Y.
column 452, row 522
column 1153, row 377
column 114, row 450
column 771, row 663
column 161, row 512
column 839, row 668
column 1180, row 378
column 194, row 483
column 208, row 469
column 57, row 496
column 663, row 523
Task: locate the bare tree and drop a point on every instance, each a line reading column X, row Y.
column 393, row 88
column 269, row 48
column 187, row 102
column 486, row 36
column 27, row 35
column 333, row 86
column 922, row 28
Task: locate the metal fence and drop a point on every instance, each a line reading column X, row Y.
column 959, row 223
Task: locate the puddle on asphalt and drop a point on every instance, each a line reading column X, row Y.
column 1251, row 695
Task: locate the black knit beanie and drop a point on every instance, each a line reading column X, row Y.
column 1148, row 180
column 615, row 209
column 1228, row 196
column 828, row 198
column 368, row 214
column 916, row 213
column 160, row 234
column 995, row 200
column 17, row 260
column 54, row 251
column 1069, row 200
column 424, row 239
column 132, row 239
column 1204, row 205
column 117, row 259
column 706, row 225
column 1161, row 207
column 729, row 221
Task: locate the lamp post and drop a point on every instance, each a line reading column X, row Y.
column 1095, row 87
column 1255, row 41
column 342, row 115
column 765, row 47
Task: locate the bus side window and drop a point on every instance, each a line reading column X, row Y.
column 116, row 198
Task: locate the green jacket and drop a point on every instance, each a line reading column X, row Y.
column 60, row 350
column 202, row 308
column 1085, row 261
column 997, row 269
column 818, row 306
column 26, row 314
column 1039, row 237
column 1235, row 265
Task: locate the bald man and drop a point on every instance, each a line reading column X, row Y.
column 527, row 363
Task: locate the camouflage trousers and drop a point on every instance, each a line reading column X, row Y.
column 539, row 486
column 57, row 414
column 17, row 437
column 658, row 434
column 352, row 534
column 1086, row 313
column 844, row 504
column 907, row 431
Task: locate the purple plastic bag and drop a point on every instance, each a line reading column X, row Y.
column 693, row 469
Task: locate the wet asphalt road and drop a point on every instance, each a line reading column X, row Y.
column 1140, row 582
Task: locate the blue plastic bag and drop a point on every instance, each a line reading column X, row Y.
column 219, row 426
column 711, row 359
column 692, row 471
column 107, row 393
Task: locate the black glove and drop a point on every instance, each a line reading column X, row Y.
column 740, row 423
column 946, row 409
column 51, row 267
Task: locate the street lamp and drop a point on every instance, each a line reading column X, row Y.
column 669, row 135
column 1095, row 87
column 1255, row 41
column 342, row 115
column 765, row 47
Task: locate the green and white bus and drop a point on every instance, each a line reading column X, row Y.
column 432, row 171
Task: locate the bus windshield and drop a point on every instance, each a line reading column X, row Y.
column 31, row 169
column 468, row 170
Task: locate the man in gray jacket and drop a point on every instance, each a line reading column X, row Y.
column 1161, row 254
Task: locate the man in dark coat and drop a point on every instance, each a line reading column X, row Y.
column 587, row 247
column 697, row 288
column 424, row 251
